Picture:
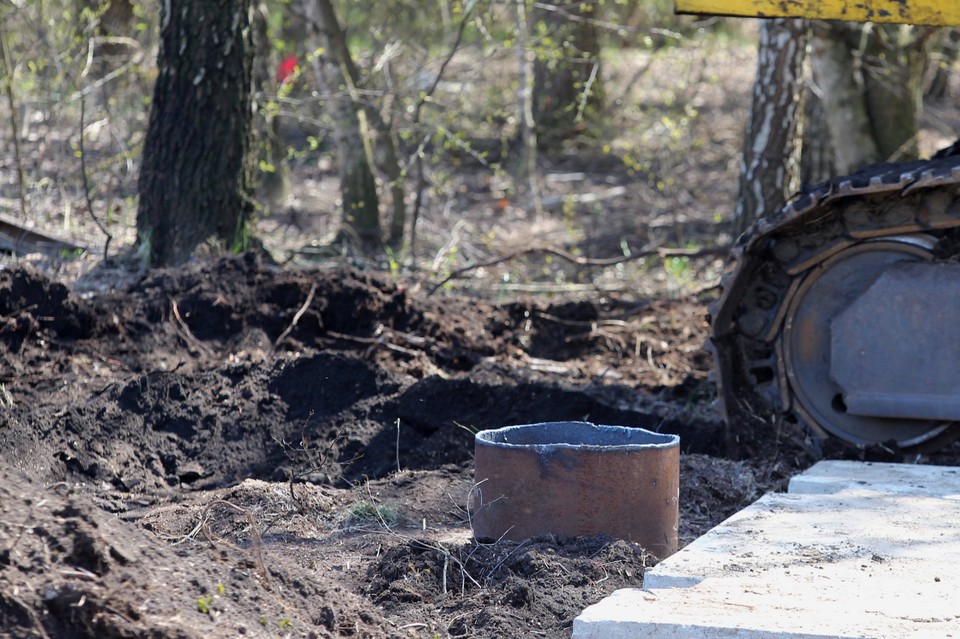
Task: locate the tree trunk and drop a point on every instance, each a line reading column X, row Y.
column 771, row 154
column 568, row 89
column 525, row 93
column 947, row 53
column 816, row 154
column 271, row 177
column 870, row 80
column 197, row 166
column 894, row 59
column 388, row 141
column 838, row 86
column 358, row 187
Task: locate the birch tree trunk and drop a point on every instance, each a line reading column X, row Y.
column 771, row 154
column 197, row 167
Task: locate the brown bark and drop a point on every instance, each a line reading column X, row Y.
column 771, row 155
column 271, row 177
column 568, row 86
column 894, row 58
column 870, row 79
column 943, row 59
column 387, row 140
column 196, row 172
column 816, row 154
column 840, row 89
column 353, row 134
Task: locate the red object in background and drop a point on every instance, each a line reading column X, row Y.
column 286, row 68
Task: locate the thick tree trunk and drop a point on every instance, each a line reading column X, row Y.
column 771, row 154
column 568, row 87
column 196, row 172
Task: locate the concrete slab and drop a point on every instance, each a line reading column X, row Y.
column 876, row 558
column 835, row 476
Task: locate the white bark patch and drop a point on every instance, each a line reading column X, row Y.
column 770, row 149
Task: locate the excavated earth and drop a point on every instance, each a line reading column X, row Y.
column 234, row 449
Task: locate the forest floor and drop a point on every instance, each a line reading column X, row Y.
column 263, row 447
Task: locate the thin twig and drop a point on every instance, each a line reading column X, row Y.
column 418, row 156
column 297, row 316
column 446, row 563
column 616, row 27
column 499, row 564
column 585, row 95
column 86, row 184
column 581, row 261
column 134, row 59
column 187, row 332
column 398, row 445
column 447, row 555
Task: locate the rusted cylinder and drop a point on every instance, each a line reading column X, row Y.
column 576, row 478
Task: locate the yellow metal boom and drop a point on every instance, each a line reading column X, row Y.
column 930, row 12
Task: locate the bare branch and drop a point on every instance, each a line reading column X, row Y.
column 581, row 261
column 297, row 316
column 86, row 184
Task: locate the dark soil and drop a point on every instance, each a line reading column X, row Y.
column 235, row 449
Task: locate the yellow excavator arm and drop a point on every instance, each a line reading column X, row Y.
column 928, row 12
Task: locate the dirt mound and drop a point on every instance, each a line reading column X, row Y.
column 534, row 578
column 236, row 449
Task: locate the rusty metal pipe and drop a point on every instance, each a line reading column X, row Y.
column 576, row 478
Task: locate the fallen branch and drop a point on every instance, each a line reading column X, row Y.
column 297, row 316
column 189, row 336
column 581, row 261
column 16, row 238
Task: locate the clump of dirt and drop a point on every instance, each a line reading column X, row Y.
column 236, row 449
column 469, row 584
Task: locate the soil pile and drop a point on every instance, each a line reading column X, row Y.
column 236, row 449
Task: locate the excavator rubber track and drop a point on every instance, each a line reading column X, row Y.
column 911, row 209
